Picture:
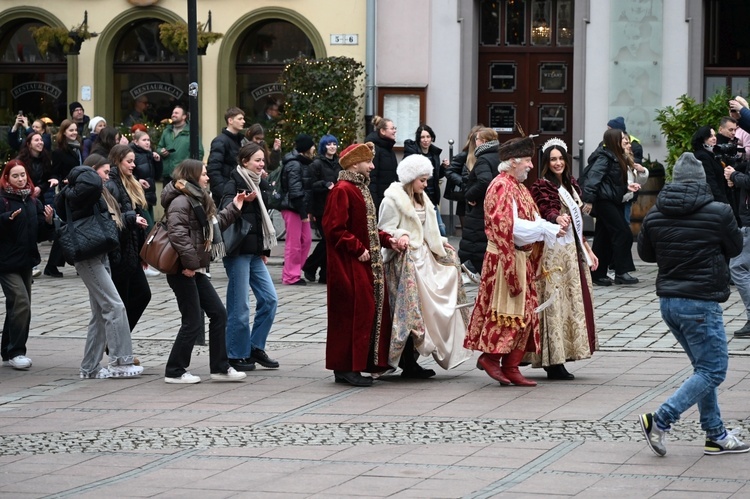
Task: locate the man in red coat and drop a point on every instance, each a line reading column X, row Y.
column 359, row 318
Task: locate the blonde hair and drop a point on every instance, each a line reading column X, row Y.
column 414, row 196
column 487, row 135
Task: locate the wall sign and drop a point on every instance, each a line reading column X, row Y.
column 268, row 89
column 35, row 86
column 502, row 117
column 552, row 118
column 553, row 77
column 502, row 77
column 156, row 87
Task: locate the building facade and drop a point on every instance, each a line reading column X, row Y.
column 554, row 67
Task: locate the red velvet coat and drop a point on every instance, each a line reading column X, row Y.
column 351, row 299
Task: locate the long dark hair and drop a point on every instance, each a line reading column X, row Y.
column 191, row 170
column 105, row 141
column 613, row 143
column 25, row 156
column 549, row 174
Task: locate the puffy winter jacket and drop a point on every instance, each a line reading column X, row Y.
column 604, row 180
column 473, row 244
column 295, row 182
column 385, row 163
column 82, row 192
column 323, row 172
column 690, row 237
column 222, row 159
column 185, row 231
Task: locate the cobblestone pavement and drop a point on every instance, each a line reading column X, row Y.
column 292, row 432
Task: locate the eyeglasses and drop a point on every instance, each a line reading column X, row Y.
column 392, row 128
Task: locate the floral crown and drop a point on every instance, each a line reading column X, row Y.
column 554, row 142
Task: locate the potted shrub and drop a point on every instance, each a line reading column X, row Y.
column 174, row 37
column 679, row 123
column 68, row 40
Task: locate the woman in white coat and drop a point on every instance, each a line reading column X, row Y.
column 423, row 277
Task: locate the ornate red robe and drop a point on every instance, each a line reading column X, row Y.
column 358, row 338
column 487, row 333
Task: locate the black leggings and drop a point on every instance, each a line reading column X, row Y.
column 613, row 241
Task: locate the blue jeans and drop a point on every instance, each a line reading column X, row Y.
column 246, row 272
column 441, row 224
column 739, row 266
column 699, row 327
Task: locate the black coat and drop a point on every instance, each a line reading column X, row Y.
column 132, row 236
column 741, row 182
column 455, row 173
column 714, row 174
column 19, row 237
column 251, row 212
column 433, row 154
column 324, row 172
column 473, row 244
column 64, row 160
column 690, row 237
column 82, row 192
column 222, row 159
column 385, row 163
column 604, row 180
column 148, row 169
column 295, row 182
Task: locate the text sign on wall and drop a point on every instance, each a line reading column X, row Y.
column 345, row 39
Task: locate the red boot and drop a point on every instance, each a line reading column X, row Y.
column 510, row 369
column 490, row 363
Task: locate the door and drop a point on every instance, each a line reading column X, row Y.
column 526, row 70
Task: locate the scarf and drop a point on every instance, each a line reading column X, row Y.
column 22, row 193
column 212, row 241
column 376, row 257
column 252, row 180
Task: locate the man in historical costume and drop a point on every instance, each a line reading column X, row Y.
column 504, row 324
column 359, row 317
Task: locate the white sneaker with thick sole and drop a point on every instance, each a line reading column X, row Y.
column 128, row 371
column 102, row 373
column 36, row 272
column 230, row 375
column 185, row 379
column 20, row 362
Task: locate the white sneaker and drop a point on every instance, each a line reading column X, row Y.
column 465, row 279
column 151, row 272
column 231, row 375
column 20, row 362
column 128, row 371
column 474, row 276
column 102, row 373
column 185, row 379
column 36, row 272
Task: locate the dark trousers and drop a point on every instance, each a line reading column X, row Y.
column 17, row 289
column 134, row 291
column 196, row 295
column 318, row 258
column 55, row 258
column 613, row 241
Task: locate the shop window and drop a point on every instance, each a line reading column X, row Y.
column 148, row 78
column 29, row 81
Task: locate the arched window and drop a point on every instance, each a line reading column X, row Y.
column 29, row 81
column 260, row 59
column 148, row 79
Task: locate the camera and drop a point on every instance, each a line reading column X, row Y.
column 20, row 113
column 728, row 152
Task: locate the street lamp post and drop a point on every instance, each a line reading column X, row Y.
column 192, row 22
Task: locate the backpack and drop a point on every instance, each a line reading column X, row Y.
column 276, row 195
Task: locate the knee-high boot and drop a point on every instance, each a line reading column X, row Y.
column 490, row 363
column 510, row 368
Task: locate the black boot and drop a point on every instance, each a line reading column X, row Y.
column 408, row 363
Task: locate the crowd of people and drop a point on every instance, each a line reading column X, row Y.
column 395, row 285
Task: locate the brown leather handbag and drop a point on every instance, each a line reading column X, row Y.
column 158, row 252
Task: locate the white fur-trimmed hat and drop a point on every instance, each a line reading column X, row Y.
column 412, row 167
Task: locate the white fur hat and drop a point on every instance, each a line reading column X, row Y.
column 95, row 121
column 412, row 167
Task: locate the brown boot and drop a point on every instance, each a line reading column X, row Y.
column 510, row 369
column 490, row 363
